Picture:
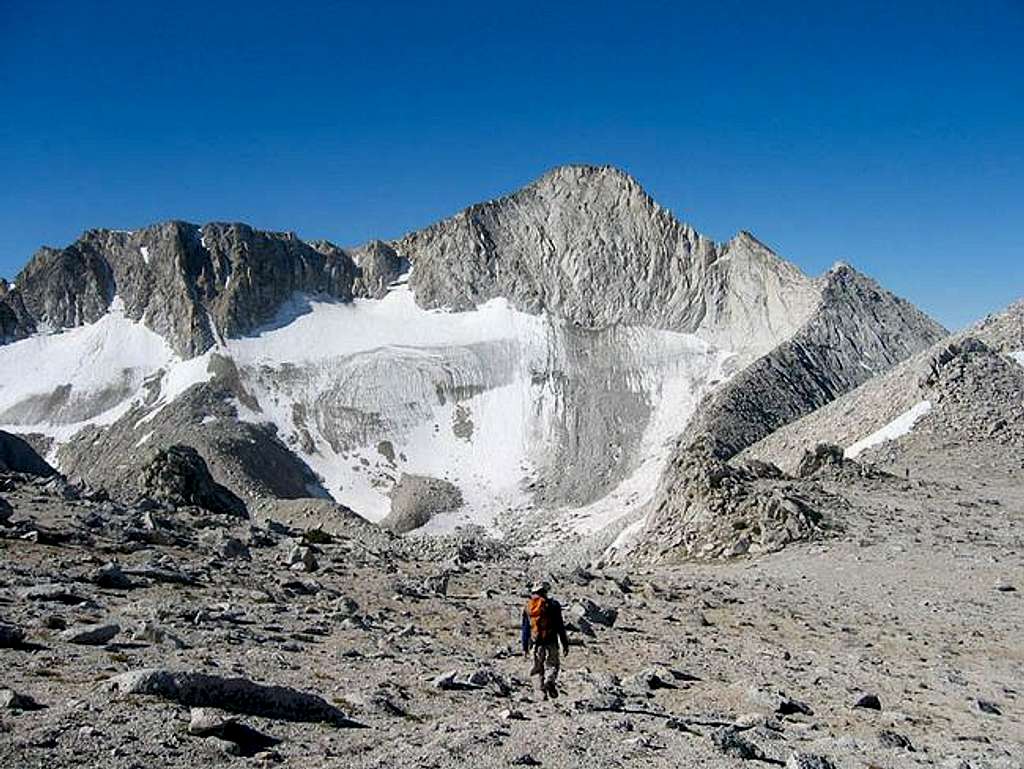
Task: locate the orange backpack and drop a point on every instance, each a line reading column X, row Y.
column 540, row 618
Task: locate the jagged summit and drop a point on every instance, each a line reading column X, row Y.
column 586, row 244
column 582, row 243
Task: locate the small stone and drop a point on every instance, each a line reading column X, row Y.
column 150, row 632
column 596, row 615
column 10, row 636
column 731, row 743
column 988, row 707
column 790, row 707
column 302, row 559
column 446, row 680
column 798, row 760
column 525, row 760
column 510, row 714
column 227, row 747
column 50, row 592
column 11, row 700
column 234, row 549
column 204, row 722
column 889, row 739
column 110, row 576
column 90, row 635
column 869, row 702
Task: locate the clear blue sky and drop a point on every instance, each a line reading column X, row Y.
column 889, row 135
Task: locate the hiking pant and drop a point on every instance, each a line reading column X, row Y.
column 546, row 662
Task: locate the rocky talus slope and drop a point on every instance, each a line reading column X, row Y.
column 159, row 633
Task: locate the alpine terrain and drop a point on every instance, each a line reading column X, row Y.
column 272, row 500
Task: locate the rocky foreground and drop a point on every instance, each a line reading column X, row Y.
column 159, row 633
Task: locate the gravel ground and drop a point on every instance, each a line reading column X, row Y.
column 917, row 601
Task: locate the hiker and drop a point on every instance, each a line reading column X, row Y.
column 543, row 626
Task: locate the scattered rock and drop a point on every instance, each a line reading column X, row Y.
column 868, row 702
column 586, row 609
column 790, row 707
column 890, row 739
column 822, row 455
column 51, row 592
column 10, row 636
column 204, row 722
column 985, row 706
column 90, row 635
column 12, row 700
column 731, row 743
column 237, row 695
column 110, row 576
column 302, row 559
column 798, row 760
column 525, row 760
column 150, row 632
column 179, row 475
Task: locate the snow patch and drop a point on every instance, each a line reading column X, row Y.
column 897, row 428
column 144, row 250
column 1018, row 356
column 56, row 384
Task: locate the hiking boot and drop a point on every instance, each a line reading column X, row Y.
column 551, row 689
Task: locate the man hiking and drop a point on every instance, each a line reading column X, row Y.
column 543, row 626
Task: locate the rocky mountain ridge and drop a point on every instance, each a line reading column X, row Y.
column 585, row 244
column 538, row 353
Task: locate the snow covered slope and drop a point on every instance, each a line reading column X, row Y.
column 517, row 410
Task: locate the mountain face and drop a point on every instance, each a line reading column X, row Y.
column 967, row 386
column 538, row 356
column 191, row 285
column 588, row 245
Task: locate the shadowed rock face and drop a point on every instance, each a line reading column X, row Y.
column 17, row 456
column 860, row 330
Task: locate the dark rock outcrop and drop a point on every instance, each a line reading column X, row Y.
column 18, row 456
column 822, row 455
column 179, row 475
